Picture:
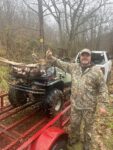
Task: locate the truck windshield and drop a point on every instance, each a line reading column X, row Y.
column 98, row 58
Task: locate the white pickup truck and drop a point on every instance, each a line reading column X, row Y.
column 103, row 60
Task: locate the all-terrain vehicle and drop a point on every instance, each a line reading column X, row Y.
column 49, row 86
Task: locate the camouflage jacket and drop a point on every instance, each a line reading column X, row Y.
column 88, row 87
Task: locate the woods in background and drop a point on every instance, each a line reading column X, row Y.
column 66, row 26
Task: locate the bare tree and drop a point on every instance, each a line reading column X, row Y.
column 64, row 24
column 75, row 15
column 39, row 12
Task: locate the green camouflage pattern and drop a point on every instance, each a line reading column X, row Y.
column 88, row 89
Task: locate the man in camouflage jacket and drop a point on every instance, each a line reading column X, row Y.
column 88, row 89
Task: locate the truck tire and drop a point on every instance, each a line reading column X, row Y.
column 16, row 97
column 60, row 144
column 55, row 100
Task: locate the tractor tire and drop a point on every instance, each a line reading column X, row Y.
column 60, row 144
column 17, row 97
column 55, row 101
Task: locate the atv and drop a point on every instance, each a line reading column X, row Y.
column 49, row 86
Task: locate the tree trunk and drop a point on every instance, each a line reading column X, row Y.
column 41, row 24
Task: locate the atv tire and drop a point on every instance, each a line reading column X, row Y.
column 55, row 101
column 17, row 97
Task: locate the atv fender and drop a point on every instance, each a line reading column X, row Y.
column 48, row 138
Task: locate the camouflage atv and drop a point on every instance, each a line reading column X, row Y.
column 49, row 86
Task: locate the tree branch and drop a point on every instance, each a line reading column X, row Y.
column 30, row 7
column 87, row 29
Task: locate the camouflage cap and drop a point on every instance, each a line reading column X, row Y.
column 85, row 51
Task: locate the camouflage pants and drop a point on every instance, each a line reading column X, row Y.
column 77, row 116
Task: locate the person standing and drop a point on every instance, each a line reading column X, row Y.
column 88, row 89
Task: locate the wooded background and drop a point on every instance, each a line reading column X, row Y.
column 66, row 26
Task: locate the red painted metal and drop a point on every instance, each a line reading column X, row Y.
column 15, row 110
column 12, row 135
column 5, row 130
column 17, row 123
column 50, row 123
column 5, row 109
column 8, row 131
column 47, row 139
column 21, row 138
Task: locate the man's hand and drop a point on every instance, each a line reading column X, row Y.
column 49, row 54
column 102, row 111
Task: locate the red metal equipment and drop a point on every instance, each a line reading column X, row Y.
column 26, row 128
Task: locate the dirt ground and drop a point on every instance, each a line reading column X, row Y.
column 104, row 126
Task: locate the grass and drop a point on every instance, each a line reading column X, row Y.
column 4, row 73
